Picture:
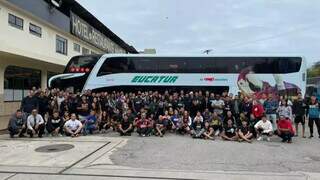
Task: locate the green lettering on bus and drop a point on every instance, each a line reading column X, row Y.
column 154, row 79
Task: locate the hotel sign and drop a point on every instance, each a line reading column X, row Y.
column 86, row 32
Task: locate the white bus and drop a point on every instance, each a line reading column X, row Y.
column 252, row 75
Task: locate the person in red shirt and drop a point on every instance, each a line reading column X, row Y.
column 257, row 110
column 285, row 129
column 144, row 126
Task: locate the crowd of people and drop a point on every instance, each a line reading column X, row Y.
column 203, row 115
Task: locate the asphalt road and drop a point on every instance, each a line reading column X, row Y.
column 177, row 152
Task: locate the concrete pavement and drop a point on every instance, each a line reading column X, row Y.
column 172, row 157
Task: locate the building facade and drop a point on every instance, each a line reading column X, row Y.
column 37, row 39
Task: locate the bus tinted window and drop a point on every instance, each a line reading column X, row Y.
column 81, row 64
column 260, row 65
column 114, row 65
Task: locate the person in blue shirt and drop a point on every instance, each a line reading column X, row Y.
column 313, row 113
column 90, row 123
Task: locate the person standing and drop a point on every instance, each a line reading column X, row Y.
column 17, row 124
column 35, row 124
column 299, row 112
column 313, row 115
column 29, row 103
column 271, row 105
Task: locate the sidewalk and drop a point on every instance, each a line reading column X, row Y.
column 91, row 157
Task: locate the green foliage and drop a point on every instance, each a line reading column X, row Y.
column 314, row 71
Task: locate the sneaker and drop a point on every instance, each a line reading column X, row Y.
column 49, row 135
column 311, row 136
column 11, row 136
column 143, row 135
column 60, row 135
column 268, row 139
column 259, row 138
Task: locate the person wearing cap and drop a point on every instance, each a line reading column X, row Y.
column 285, row 129
column 263, row 128
column 35, row 124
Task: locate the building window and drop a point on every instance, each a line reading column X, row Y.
column 18, row 81
column 61, row 45
column 85, row 51
column 15, row 21
column 76, row 47
column 35, row 30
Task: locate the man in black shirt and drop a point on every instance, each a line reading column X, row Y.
column 244, row 132
column 29, row 103
column 125, row 127
column 299, row 111
column 229, row 133
column 55, row 124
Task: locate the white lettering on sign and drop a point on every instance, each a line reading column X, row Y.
column 84, row 31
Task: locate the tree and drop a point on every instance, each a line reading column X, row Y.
column 314, row 71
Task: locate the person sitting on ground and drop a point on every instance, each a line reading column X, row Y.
column 198, row 117
column 185, row 123
column 160, row 129
column 73, row 126
column 244, row 132
column 104, row 122
column 144, row 126
column 125, row 126
column 285, row 129
column 229, row 133
column 175, row 120
column 35, row 124
column 17, row 124
column 197, row 128
column 263, row 128
column 216, row 124
column 90, row 123
column 208, row 132
column 55, row 124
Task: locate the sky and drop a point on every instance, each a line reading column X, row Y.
column 223, row 26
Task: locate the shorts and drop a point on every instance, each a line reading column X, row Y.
column 299, row 119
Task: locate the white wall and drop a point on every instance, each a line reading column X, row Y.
column 22, row 42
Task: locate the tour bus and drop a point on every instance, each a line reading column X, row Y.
column 251, row 75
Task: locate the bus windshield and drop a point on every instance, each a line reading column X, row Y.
column 82, row 64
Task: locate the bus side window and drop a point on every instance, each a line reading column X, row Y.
column 114, row 65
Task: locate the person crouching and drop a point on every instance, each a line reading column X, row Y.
column 285, row 129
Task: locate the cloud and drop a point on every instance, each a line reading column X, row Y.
column 228, row 26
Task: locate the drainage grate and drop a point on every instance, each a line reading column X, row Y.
column 54, row 148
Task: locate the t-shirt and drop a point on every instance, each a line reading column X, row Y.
column 73, row 124
column 285, row 124
column 265, row 126
column 230, row 131
column 125, row 124
column 215, row 122
column 244, row 130
column 219, row 102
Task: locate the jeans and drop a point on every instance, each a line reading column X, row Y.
column 273, row 119
column 286, row 136
column 317, row 122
